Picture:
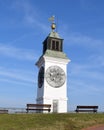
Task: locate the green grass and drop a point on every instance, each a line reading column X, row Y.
column 70, row 121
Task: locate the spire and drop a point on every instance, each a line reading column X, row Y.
column 53, row 25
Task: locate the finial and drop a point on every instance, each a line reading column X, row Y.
column 53, row 25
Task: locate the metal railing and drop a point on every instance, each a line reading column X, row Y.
column 14, row 109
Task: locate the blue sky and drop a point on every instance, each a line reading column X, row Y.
column 23, row 27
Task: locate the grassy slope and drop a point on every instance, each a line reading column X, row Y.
column 71, row 121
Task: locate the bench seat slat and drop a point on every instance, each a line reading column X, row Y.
column 88, row 107
column 38, row 105
column 86, row 110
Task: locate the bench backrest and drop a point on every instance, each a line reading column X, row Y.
column 39, row 105
column 89, row 107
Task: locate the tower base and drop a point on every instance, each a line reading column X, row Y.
column 58, row 105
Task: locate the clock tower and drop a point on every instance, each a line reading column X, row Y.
column 52, row 76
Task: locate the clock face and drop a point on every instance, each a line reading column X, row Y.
column 41, row 77
column 55, row 76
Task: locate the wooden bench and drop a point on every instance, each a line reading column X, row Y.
column 38, row 107
column 3, row 111
column 87, row 109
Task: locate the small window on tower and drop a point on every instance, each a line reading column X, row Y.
column 53, row 45
column 57, row 45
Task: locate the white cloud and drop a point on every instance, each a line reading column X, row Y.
column 24, row 15
column 31, row 15
column 84, row 41
column 17, row 76
column 89, row 5
column 87, row 78
column 79, row 86
column 88, row 71
column 97, row 60
column 17, row 53
column 11, row 81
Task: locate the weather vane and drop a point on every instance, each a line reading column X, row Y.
column 53, row 25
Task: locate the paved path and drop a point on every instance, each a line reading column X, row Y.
column 100, row 127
